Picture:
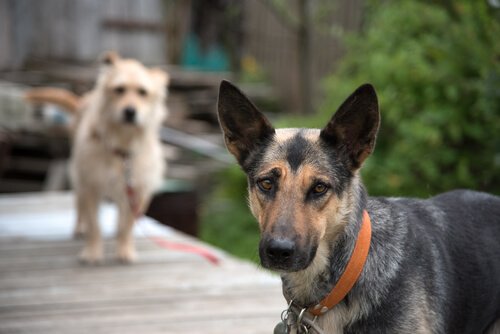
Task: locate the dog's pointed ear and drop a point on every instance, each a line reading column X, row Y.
column 109, row 58
column 352, row 131
column 243, row 125
column 160, row 76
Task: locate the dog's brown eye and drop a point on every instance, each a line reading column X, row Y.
column 142, row 92
column 265, row 185
column 119, row 90
column 320, row 188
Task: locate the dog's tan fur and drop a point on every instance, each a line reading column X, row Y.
column 97, row 171
column 325, row 221
column 62, row 97
column 307, row 217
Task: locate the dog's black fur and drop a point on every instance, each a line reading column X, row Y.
column 433, row 265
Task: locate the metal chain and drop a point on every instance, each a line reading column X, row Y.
column 297, row 318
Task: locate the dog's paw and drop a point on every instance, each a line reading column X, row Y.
column 93, row 256
column 127, row 255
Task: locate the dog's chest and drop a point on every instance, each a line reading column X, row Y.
column 110, row 175
column 142, row 173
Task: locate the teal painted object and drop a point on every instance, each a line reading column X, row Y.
column 172, row 185
column 213, row 59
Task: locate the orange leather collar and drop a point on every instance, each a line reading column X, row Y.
column 352, row 271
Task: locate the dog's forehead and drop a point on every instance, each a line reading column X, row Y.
column 287, row 134
column 129, row 72
column 301, row 153
column 294, row 147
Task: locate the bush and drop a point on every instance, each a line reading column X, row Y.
column 226, row 220
column 437, row 74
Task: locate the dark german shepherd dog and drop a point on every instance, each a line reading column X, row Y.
column 432, row 266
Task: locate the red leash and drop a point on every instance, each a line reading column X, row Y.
column 186, row 248
column 182, row 247
column 135, row 208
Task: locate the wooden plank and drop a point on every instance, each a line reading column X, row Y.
column 87, row 29
column 6, row 38
column 118, row 298
column 43, row 289
column 152, row 47
column 133, row 25
column 110, row 39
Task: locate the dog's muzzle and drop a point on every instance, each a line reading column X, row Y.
column 129, row 115
column 284, row 254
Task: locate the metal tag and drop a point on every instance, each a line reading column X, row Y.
column 280, row 328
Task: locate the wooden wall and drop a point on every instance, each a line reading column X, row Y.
column 274, row 44
column 80, row 30
column 153, row 31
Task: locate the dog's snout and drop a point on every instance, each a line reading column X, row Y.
column 286, row 253
column 129, row 114
column 280, row 249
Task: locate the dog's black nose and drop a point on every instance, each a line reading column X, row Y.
column 280, row 250
column 129, row 115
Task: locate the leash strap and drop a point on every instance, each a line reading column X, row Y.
column 134, row 204
column 181, row 247
column 352, row 271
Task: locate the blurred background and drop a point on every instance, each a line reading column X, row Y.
column 434, row 64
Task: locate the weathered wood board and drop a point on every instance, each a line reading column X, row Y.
column 43, row 288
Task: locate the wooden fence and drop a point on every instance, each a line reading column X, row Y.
column 80, row 30
column 274, row 45
column 153, row 31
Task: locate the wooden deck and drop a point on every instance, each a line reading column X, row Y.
column 43, row 289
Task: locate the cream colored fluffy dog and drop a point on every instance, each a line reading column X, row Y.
column 116, row 153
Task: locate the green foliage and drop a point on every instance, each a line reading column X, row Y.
column 438, row 80
column 226, row 220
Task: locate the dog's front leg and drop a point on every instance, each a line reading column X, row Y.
column 126, row 249
column 87, row 205
column 80, row 226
